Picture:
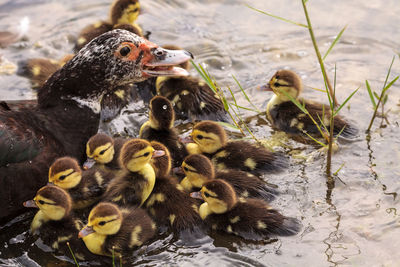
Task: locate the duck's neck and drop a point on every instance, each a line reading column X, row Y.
column 148, row 173
column 204, row 210
column 39, row 219
column 94, row 242
column 274, row 101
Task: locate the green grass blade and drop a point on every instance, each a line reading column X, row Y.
column 340, row 132
column 241, row 107
column 390, row 69
column 389, row 85
column 233, row 97
column 73, row 255
column 334, row 42
column 244, row 93
column 228, row 125
column 296, row 102
column 376, row 95
column 322, row 123
column 336, row 172
column 370, row 93
column 277, row 17
column 344, row 103
column 315, row 140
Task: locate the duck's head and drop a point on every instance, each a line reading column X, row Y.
column 285, row 81
column 54, row 202
column 219, row 197
column 124, row 11
column 198, row 170
column 162, row 164
column 65, row 172
column 104, row 219
column 209, row 136
column 100, row 149
column 111, row 60
column 136, row 153
column 132, row 28
column 161, row 113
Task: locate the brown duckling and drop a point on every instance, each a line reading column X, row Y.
column 249, row 218
column 116, row 231
column 84, row 187
column 104, row 151
column 286, row 116
column 211, row 140
column 55, row 222
column 135, row 185
column 199, row 169
column 169, row 203
column 160, row 127
column 121, row 12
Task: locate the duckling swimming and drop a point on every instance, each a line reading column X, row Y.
column 116, row 231
column 286, row 116
column 160, row 127
column 84, row 187
column 211, row 140
column 169, row 203
column 199, row 169
column 248, row 218
column 135, row 185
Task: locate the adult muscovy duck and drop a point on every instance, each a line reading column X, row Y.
column 68, row 110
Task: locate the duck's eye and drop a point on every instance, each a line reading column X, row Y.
column 124, row 51
column 41, row 202
column 62, row 177
column 276, row 84
column 186, row 169
column 146, row 154
column 206, row 194
column 102, row 152
column 200, row 136
column 136, row 10
column 102, row 223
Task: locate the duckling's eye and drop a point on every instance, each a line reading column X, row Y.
column 146, row 154
column 186, row 169
column 200, row 136
column 206, row 194
column 102, row 223
column 124, row 51
column 102, row 152
column 62, row 177
column 276, row 84
column 41, row 202
column 136, row 10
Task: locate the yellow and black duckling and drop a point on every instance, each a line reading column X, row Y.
column 168, row 203
column 68, row 110
column 135, row 185
column 286, row 116
column 121, row 12
column 248, row 218
column 55, row 222
column 116, row 231
column 84, row 187
column 104, row 151
column 199, row 169
column 211, row 140
column 160, row 127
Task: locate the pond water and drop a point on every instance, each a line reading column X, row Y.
column 354, row 221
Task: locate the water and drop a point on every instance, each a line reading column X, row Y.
column 353, row 222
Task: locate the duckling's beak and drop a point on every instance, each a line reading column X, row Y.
column 30, row 204
column 186, row 140
column 266, row 87
column 196, row 195
column 162, row 62
column 87, row 230
column 158, row 153
column 178, row 171
column 88, row 163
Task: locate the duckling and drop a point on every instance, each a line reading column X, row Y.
column 248, row 218
column 38, row 70
column 160, row 127
column 169, row 203
column 211, row 140
column 199, row 169
column 191, row 97
column 285, row 116
column 85, row 187
column 55, row 222
column 104, row 151
column 134, row 186
column 116, row 231
column 121, row 12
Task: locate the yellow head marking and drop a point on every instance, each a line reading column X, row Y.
column 140, row 159
column 192, row 177
column 66, row 179
column 130, row 14
column 215, row 205
column 207, row 142
column 49, row 208
column 102, row 154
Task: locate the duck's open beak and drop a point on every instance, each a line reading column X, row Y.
column 88, row 163
column 162, row 62
column 30, row 204
column 87, row 230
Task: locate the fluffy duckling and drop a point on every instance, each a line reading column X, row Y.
column 85, row 187
column 285, row 116
column 134, row 186
column 191, row 97
column 248, row 218
column 104, row 151
column 160, row 127
column 121, row 12
column 211, row 140
column 169, row 203
column 199, row 169
column 55, row 222
column 116, row 231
